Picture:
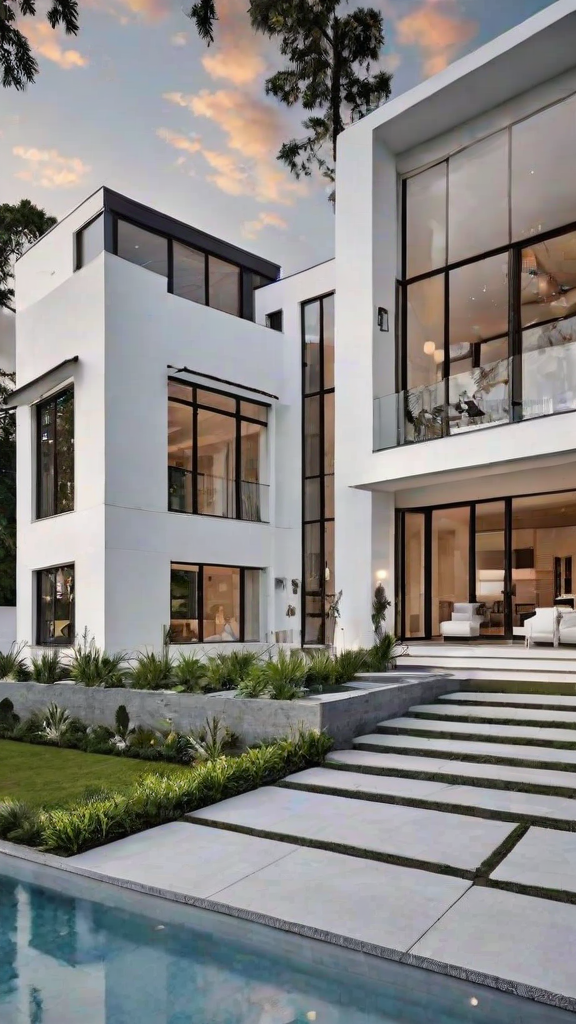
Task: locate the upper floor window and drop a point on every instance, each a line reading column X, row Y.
column 145, row 248
column 217, row 457
column 55, row 614
column 55, row 454
column 275, row 320
column 89, row 241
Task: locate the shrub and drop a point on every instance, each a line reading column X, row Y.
column 122, row 719
column 99, row 740
column 13, row 666
column 226, row 671
column 287, row 675
column 29, row 730
column 256, row 683
column 213, row 741
column 56, row 723
column 48, row 668
column 93, row 667
column 382, row 655
column 152, row 671
column 349, row 663
column 19, row 823
column 189, row 673
column 320, row 670
column 8, row 718
column 91, row 823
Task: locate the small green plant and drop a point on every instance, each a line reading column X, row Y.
column 320, row 671
column 382, row 656
column 152, row 671
column 93, row 667
column 287, row 675
column 56, row 723
column 213, row 741
column 380, row 605
column 8, row 717
column 255, row 684
column 348, row 663
column 19, row 823
column 13, row 666
column 189, row 673
column 48, row 668
column 99, row 739
column 122, row 720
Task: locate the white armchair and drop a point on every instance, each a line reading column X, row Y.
column 542, row 627
column 465, row 622
column 567, row 628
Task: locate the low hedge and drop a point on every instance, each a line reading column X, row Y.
column 154, row 800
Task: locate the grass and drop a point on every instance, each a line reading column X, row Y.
column 54, row 777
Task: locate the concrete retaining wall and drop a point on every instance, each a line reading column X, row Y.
column 7, row 628
column 342, row 715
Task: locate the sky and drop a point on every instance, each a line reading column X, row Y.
column 137, row 102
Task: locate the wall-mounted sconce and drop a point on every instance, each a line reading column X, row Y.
column 383, row 322
column 382, row 574
column 327, row 574
column 290, row 611
column 295, row 586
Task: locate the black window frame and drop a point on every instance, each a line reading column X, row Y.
column 201, row 567
column 52, row 400
column 239, row 417
column 515, row 329
column 278, row 324
column 322, row 520
column 79, row 237
column 54, row 642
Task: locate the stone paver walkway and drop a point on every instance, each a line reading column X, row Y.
column 423, row 843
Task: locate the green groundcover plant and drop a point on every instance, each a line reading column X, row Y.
column 153, row 800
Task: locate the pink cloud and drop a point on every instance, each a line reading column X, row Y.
column 439, row 35
column 48, row 43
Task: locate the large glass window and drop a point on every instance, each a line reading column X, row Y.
column 450, row 562
column 214, row 604
column 55, row 454
column 478, row 198
column 217, row 457
column 425, row 332
column 543, row 160
column 189, row 280
column 426, row 221
column 318, row 470
column 55, row 616
column 224, row 285
column 142, row 247
column 90, row 241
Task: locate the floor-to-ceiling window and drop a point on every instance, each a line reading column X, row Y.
column 55, row 454
column 487, row 308
column 508, row 556
column 214, row 603
column 318, row 468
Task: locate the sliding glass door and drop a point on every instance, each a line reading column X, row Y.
column 491, row 590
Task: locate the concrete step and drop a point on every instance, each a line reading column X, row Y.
column 501, row 776
column 484, row 802
column 544, row 860
column 456, row 843
column 470, row 750
column 494, row 715
column 553, row 702
column 539, row 736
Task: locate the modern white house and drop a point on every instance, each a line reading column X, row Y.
column 207, row 448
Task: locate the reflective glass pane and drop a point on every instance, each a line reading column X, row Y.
column 543, row 554
column 46, row 456
column 253, row 471
column 180, row 430
column 252, row 605
column 181, row 391
column 490, row 561
column 425, row 331
column 328, row 341
column 90, row 241
column 548, row 281
column 312, row 498
column 478, row 198
column 312, row 558
column 549, row 369
column 216, row 401
column 142, row 247
column 543, row 160
column 224, row 286
column 312, row 454
column 65, row 451
column 56, row 606
column 329, row 495
column 189, row 273
column 216, row 464
column 478, row 306
column 184, row 611
column 221, row 605
column 414, row 571
column 329, row 432
column 314, row 620
column 312, row 347
column 254, row 411
column 450, row 562
column 426, row 221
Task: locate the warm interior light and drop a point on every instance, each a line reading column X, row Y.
column 382, row 574
column 438, row 356
column 429, row 348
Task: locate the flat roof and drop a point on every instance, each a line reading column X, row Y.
column 536, row 50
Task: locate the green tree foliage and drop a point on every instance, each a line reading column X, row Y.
column 19, row 68
column 20, row 224
column 329, row 53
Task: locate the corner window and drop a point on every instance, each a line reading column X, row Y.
column 142, row 247
column 275, row 320
column 224, row 286
column 89, row 241
column 217, row 456
column 55, row 455
column 214, row 604
column 55, row 593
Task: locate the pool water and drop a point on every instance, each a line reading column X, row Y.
column 78, row 950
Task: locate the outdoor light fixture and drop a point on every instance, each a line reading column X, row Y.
column 383, row 324
column 382, row 574
column 429, row 348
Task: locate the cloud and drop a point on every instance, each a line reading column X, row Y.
column 252, row 228
column 48, row 43
column 146, row 10
column 438, row 34
column 391, row 62
column 253, row 130
column 238, row 56
column 188, row 143
column 49, row 169
column 179, row 39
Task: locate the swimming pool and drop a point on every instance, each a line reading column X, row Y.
column 77, row 950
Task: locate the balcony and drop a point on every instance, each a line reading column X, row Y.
column 543, row 379
column 217, row 496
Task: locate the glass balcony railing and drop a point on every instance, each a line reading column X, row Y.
column 544, row 380
column 217, row 496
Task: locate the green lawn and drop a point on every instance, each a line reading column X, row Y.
column 49, row 776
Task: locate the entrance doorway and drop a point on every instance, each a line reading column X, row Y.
column 508, row 556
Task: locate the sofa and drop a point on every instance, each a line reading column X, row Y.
column 567, row 628
column 464, row 624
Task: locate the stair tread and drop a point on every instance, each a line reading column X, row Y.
column 541, row 716
column 554, row 808
column 481, row 729
column 510, row 751
column 453, row 767
column 536, row 700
